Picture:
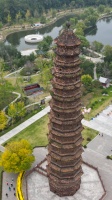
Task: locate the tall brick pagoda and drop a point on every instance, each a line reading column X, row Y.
column 65, row 149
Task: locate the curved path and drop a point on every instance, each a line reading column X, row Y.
column 19, row 95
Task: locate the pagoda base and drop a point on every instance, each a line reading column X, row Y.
column 38, row 185
column 63, row 191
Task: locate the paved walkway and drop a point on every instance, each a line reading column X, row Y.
column 25, row 124
column 8, row 177
column 95, row 154
column 95, row 74
column 101, row 123
column 2, row 148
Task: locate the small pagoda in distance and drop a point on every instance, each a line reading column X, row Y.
column 65, row 141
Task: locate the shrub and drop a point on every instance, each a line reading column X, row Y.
column 104, row 91
column 108, row 157
column 88, row 139
column 85, row 146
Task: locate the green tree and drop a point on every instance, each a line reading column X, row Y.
column 97, row 46
column 87, row 67
column 17, row 157
column 86, row 80
column 18, row 16
column 101, row 8
column 108, row 53
column 43, row 20
column 73, row 22
column 79, row 31
column 107, row 10
column 80, row 25
column 2, row 65
column 1, row 25
column 9, row 19
column 20, row 109
column 53, row 13
column 43, row 46
column 36, row 14
column 84, row 41
column 3, row 120
column 12, row 111
column 48, row 39
column 28, row 14
column 92, row 19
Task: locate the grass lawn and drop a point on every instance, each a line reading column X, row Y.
column 96, row 101
column 88, row 134
column 36, row 133
column 6, row 99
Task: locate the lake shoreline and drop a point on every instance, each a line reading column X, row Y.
column 64, row 14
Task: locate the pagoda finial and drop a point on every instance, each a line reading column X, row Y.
column 68, row 24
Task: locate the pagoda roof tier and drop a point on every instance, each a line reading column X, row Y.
column 70, row 99
column 65, row 70
column 69, row 75
column 77, row 151
column 66, row 81
column 64, row 135
column 66, row 123
column 62, row 176
column 59, row 85
column 67, row 39
column 71, row 64
column 63, row 140
column 65, row 159
column 63, row 181
column 65, row 169
column 68, row 127
column 65, row 94
column 65, row 111
column 51, row 127
column 65, row 155
column 63, row 163
column 66, row 146
column 61, row 104
column 67, row 61
column 64, row 106
column 67, row 51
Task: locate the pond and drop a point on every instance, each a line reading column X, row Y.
column 17, row 39
column 102, row 33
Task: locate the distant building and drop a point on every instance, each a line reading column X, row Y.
column 104, row 81
column 32, row 89
column 37, row 24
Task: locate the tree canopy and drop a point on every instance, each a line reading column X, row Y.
column 3, row 120
column 12, row 10
column 108, row 53
column 86, row 79
column 17, row 156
